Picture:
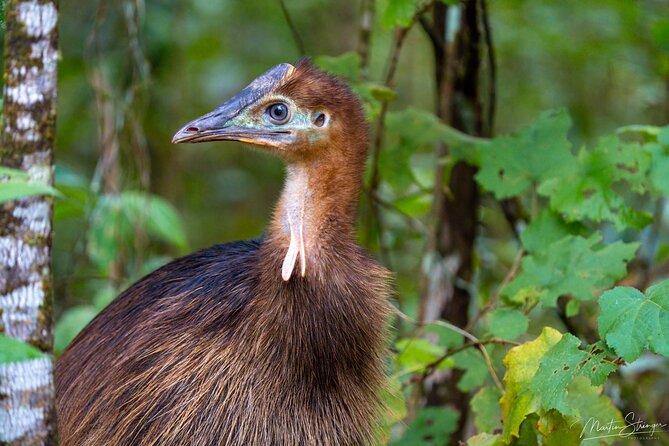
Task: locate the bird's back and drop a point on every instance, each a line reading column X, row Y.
column 205, row 351
column 127, row 365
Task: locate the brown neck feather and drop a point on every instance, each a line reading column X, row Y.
column 319, row 204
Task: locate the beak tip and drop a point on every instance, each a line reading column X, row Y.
column 181, row 136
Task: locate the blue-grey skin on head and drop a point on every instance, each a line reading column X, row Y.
column 249, row 117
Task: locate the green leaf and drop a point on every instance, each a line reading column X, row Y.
column 400, row 12
column 507, row 323
column 521, row 364
column 475, row 368
column 70, row 324
column 14, row 350
column 548, row 384
column 415, row 205
column 416, row 353
column 547, row 228
column 104, row 296
column 587, row 190
column 432, row 426
column 572, row 266
column 572, row 308
column 487, row 412
column 346, row 65
column 116, row 219
column 511, row 164
column 14, row 189
column 630, row 321
column 659, row 166
column 370, row 102
column 529, row 432
column 382, row 93
column 11, row 173
column 663, row 136
column 485, row 439
column 15, row 183
column 447, row 338
column 648, row 130
column 158, row 216
column 591, row 405
column 560, row 365
column 558, row 429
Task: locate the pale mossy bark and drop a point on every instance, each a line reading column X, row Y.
column 27, row 396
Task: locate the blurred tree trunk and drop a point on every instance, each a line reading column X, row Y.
column 465, row 85
column 27, row 409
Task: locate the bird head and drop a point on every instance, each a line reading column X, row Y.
column 298, row 112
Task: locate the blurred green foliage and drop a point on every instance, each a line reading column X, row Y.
column 133, row 71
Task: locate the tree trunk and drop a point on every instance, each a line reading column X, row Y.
column 465, row 102
column 27, row 409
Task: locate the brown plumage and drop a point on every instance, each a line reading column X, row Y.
column 277, row 341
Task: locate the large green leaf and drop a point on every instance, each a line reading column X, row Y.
column 571, row 266
column 511, row 164
column 15, row 183
column 560, row 365
column 13, row 189
column 630, row 321
column 521, row 364
column 549, row 384
column 14, row 350
column 587, row 191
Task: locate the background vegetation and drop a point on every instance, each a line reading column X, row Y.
column 570, row 204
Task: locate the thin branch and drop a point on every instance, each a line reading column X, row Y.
column 400, row 36
column 432, row 367
column 373, row 212
column 296, row 35
column 474, row 340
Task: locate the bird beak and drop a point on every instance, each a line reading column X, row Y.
column 218, row 125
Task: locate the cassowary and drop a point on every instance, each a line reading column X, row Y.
column 274, row 341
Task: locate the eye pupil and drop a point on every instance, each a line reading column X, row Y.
column 278, row 112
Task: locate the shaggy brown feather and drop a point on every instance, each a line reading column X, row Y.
column 216, row 349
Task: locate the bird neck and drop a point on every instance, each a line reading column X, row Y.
column 317, row 209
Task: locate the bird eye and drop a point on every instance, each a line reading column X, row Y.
column 278, row 113
column 320, row 120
